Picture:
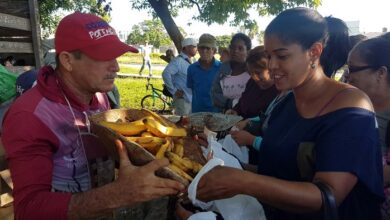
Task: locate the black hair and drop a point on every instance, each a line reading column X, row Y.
column 299, row 25
column 255, row 55
column 335, row 54
column 375, row 52
column 243, row 37
column 10, row 59
column 355, row 39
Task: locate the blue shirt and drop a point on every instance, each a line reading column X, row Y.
column 175, row 76
column 345, row 140
column 200, row 81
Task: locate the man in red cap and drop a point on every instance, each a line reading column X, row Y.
column 58, row 168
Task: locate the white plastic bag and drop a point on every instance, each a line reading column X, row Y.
column 239, row 207
column 241, row 152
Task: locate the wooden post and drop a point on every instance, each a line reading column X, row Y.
column 36, row 33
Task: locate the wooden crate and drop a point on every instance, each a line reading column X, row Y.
column 137, row 154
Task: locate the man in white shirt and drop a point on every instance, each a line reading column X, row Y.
column 146, row 51
column 175, row 77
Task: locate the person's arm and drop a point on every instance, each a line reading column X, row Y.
column 169, row 71
column 30, row 158
column 133, row 186
column 298, row 197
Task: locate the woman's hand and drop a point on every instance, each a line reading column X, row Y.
column 219, row 183
column 230, row 112
column 242, row 124
column 242, row 137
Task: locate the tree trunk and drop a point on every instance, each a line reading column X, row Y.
column 162, row 11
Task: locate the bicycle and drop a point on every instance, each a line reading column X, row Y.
column 156, row 101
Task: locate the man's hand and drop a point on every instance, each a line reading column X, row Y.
column 140, row 184
column 134, row 185
column 242, row 137
column 179, row 93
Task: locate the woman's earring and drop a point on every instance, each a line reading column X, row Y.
column 313, row 65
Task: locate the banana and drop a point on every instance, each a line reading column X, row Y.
column 158, row 118
column 160, row 130
column 145, row 140
column 179, row 149
column 151, row 147
column 179, row 162
column 146, row 134
column 125, row 128
column 180, row 172
column 196, row 167
column 161, row 152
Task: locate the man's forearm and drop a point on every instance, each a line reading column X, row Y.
column 96, row 202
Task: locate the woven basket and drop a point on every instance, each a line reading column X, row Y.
column 137, row 154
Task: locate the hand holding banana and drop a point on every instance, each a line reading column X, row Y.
column 159, row 138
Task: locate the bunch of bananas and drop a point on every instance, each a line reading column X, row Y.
column 159, row 138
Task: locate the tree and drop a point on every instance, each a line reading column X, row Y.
column 149, row 30
column 223, row 40
column 49, row 18
column 211, row 11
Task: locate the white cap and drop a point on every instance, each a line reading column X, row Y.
column 188, row 42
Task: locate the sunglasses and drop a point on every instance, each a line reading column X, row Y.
column 353, row 69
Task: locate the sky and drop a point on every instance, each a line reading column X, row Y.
column 372, row 15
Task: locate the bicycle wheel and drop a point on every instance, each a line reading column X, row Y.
column 153, row 103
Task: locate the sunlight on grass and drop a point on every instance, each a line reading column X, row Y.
column 133, row 90
column 134, row 70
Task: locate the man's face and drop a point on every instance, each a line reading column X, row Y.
column 206, row 53
column 190, row 50
column 94, row 76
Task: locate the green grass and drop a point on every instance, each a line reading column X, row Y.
column 137, row 58
column 129, row 69
column 133, row 90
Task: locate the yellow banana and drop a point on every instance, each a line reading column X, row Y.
column 180, row 172
column 146, row 134
column 158, row 118
column 196, row 167
column 178, row 161
column 125, row 128
column 145, row 140
column 160, row 130
column 179, row 149
column 161, row 152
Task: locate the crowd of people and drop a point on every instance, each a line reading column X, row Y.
column 316, row 145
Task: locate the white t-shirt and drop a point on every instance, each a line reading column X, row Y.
column 234, row 86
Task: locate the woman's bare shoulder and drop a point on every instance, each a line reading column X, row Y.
column 347, row 96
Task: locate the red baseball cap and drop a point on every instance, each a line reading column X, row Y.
column 91, row 35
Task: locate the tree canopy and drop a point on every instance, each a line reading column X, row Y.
column 152, row 31
column 223, row 40
column 211, row 11
column 49, row 18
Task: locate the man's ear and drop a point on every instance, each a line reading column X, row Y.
column 66, row 60
column 315, row 51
